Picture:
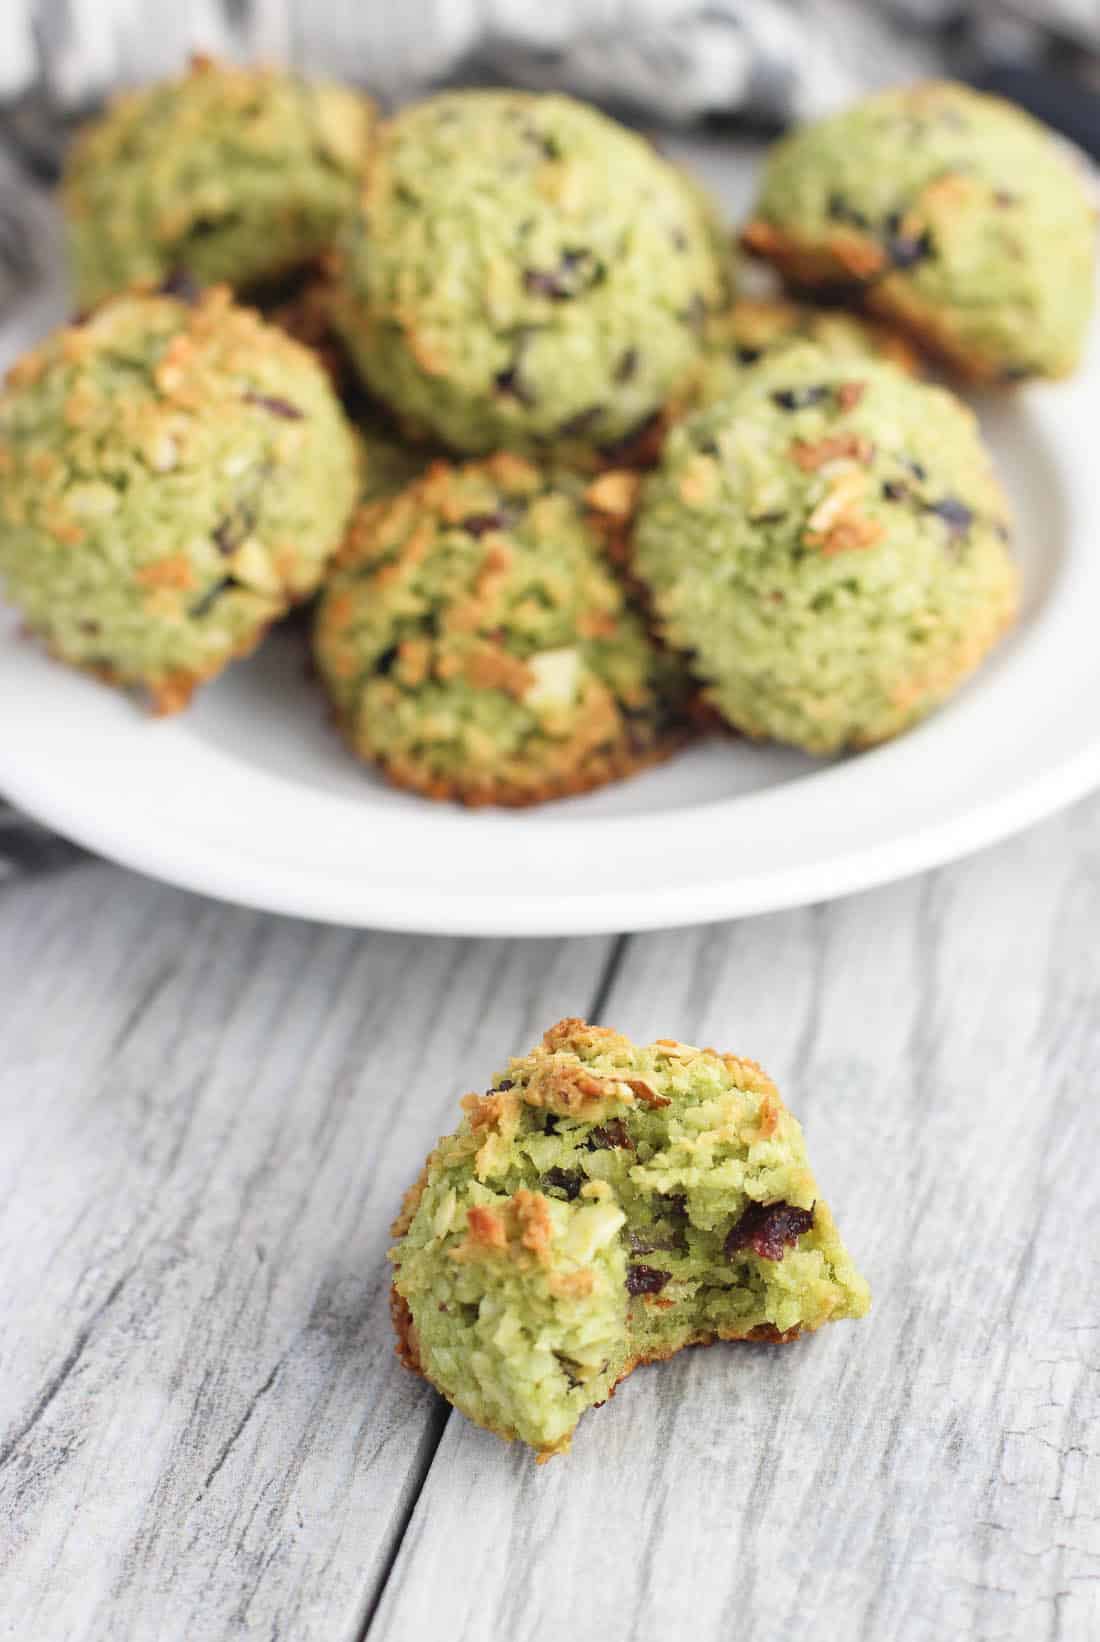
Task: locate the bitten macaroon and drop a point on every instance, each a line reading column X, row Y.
column 950, row 212
column 476, row 645
column 828, row 545
column 174, row 478
column 524, row 273
column 603, row 1205
column 230, row 174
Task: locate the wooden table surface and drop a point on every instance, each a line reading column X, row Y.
column 208, row 1116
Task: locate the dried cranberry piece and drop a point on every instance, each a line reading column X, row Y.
column 793, row 399
column 510, row 382
column 608, row 1135
column 209, row 599
column 626, row 448
column 233, row 527
column 627, row 366
column 574, row 426
column 181, row 285
column 577, row 271
column 275, row 406
column 230, row 532
column 905, row 250
column 955, row 514
column 479, row 524
column 645, row 1279
column 548, row 147
column 840, row 210
column 568, row 1181
column 768, row 1229
column 540, row 283
column 506, row 1083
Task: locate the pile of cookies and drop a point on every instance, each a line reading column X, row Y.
column 479, row 379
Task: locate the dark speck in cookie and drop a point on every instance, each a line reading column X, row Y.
column 574, row 426
column 479, row 524
column 230, row 532
column 275, row 406
column 577, row 271
column 627, row 365
column 181, row 285
column 794, row 399
column 511, row 383
column 841, row 211
column 906, row 250
column 955, row 514
column 645, row 1280
column 567, row 1182
column 203, row 606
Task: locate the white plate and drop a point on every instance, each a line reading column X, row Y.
column 251, row 798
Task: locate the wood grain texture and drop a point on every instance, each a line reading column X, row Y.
column 933, row 1472
column 207, row 1118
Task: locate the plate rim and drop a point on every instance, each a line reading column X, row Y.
column 464, row 916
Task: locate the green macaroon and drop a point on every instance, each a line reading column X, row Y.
column 525, row 273
column 947, row 211
column 604, row 1205
column 232, row 174
column 174, row 477
column 829, row 545
column 477, row 646
column 753, row 329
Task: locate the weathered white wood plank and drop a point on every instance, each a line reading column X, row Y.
column 933, row 1472
column 207, row 1118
